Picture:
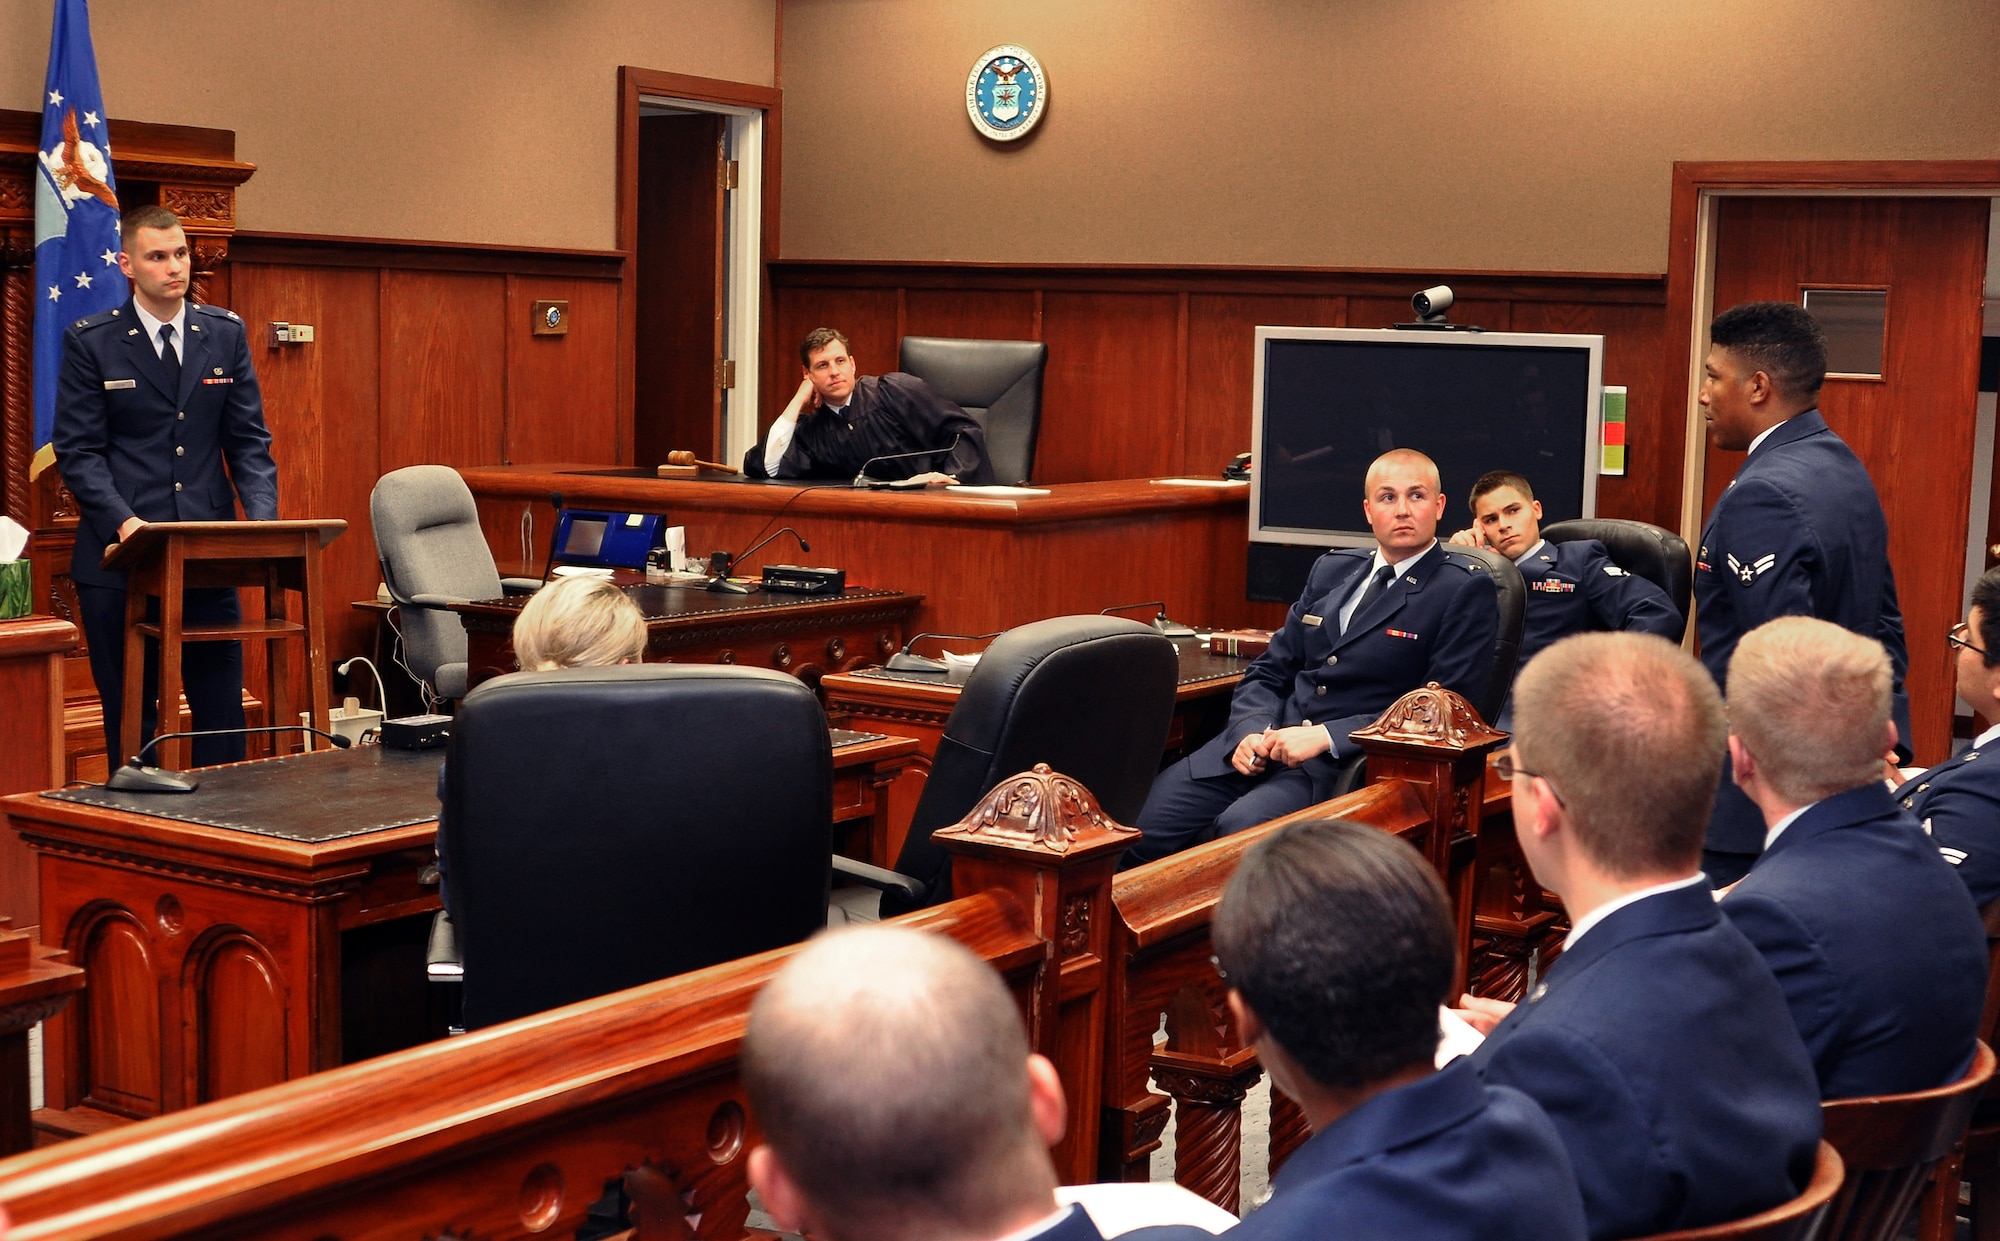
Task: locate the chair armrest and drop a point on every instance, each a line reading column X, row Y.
column 437, row 603
column 879, row 879
column 441, row 959
column 520, row 585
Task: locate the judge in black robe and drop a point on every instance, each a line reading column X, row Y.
column 884, row 416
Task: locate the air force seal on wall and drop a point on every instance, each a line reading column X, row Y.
column 1006, row 93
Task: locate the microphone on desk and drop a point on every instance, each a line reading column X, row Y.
column 903, row 661
column 862, row 479
column 555, row 532
column 722, row 564
column 1169, row 628
column 136, row 777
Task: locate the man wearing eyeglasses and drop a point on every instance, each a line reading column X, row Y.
column 1875, row 943
column 1658, row 1042
column 1958, row 801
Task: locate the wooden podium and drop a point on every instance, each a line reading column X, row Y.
column 164, row 558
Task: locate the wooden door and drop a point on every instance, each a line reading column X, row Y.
column 677, row 401
column 1913, row 425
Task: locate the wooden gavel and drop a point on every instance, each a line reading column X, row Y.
column 681, row 456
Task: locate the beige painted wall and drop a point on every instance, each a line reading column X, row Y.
column 1428, row 134
column 458, row 120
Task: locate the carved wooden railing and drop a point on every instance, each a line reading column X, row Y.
column 630, row 1102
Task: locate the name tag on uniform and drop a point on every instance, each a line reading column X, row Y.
column 110, row 384
column 1310, row 619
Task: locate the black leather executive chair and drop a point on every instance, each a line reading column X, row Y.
column 1652, row 552
column 1091, row 696
column 608, row 827
column 998, row 382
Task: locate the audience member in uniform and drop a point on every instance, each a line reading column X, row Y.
column 898, row 1099
column 1572, row 587
column 573, row 622
column 1658, row 1042
column 1372, row 625
column 1338, row 944
column 1875, row 942
column 1798, row 532
column 1958, row 801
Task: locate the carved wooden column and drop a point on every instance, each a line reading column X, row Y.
column 1436, row 741
column 1207, row 1078
column 1041, row 838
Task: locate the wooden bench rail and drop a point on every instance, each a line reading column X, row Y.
column 454, row 1139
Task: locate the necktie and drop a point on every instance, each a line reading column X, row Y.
column 168, row 355
column 1376, row 585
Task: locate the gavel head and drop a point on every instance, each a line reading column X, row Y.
column 680, row 456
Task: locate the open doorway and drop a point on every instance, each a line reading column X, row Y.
column 695, row 221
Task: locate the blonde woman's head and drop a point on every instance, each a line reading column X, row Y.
column 578, row 622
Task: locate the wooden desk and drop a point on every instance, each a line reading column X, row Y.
column 918, row 704
column 223, row 958
column 32, row 651
column 805, row 635
column 981, row 562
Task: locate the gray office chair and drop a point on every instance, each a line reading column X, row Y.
column 432, row 552
column 998, row 382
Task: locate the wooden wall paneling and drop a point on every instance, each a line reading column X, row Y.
column 443, row 378
column 974, row 313
column 322, row 403
column 1109, row 406
column 1221, row 364
column 32, row 652
column 1651, row 487
column 867, row 317
column 562, row 394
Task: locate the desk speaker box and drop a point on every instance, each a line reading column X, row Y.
column 417, row 732
column 799, row 580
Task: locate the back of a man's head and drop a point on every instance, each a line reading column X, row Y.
column 888, row 1069
column 1629, row 731
column 1810, row 701
column 1340, row 938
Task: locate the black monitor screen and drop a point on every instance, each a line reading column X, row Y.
column 1331, row 406
column 586, row 537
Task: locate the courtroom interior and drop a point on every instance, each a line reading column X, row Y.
column 932, row 385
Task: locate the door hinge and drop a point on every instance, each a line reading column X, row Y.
column 726, row 174
column 725, row 374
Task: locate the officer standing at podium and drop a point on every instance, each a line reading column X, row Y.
column 154, row 398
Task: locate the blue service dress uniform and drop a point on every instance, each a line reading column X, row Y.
column 1438, row 622
column 1874, row 941
column 1799, row 532
column 1958, row 803
column 1661, row 1048
column 133, row 439
column 1446, row 1156
column 1574, row 588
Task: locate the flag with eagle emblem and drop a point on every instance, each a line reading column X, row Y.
column 76, row 210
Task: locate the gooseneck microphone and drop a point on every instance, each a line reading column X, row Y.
column 721, row 583
column 1160, row 621
column 903, row 661
column 136, row 777
column 862, row 478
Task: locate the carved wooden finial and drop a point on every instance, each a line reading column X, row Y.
column 1431, row 716
column 1042, row 809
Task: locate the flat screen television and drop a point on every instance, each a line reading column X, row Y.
column 1327, row 401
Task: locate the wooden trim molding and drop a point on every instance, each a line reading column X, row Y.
column 313, row 250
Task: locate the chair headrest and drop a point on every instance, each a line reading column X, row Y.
column 420, row 496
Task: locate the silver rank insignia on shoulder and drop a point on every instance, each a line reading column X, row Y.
column 1541, row 989
column 1612, row 570
column 1749, row 573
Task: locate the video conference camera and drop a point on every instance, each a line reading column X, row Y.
column 1430, row 304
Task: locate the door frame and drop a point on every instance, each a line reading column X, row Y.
column 1697, row 188
column 758, row 198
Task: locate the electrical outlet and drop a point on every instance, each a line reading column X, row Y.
column 302, row 333
column 281, row 333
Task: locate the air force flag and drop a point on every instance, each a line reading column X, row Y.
column 76, row 210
